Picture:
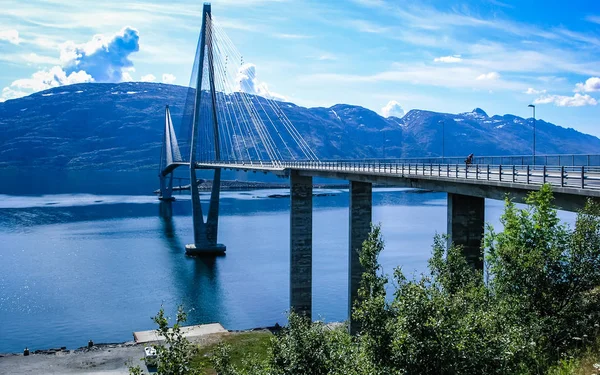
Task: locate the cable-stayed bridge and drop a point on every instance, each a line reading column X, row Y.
column 225, row 127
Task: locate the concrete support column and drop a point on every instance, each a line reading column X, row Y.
column 212, row 220
column 361, row 207
column 166, row 187
column 301, row 244
column 203, row 243
column 466, row 221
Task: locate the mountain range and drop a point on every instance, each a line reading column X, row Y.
column 119, row 127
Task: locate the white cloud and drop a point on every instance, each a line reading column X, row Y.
column 576, row 100
column 491, row 76
column 291, row 36
column 8, row 93
column 53, row 77
column 148, row 78
column 126, row 77
column 104, row 58
column 448, row 59
column 327, row 57
column 439, row 75
column 393, row 108
column 532, row 91
column 247, row 82
column 592, row 84
column 168, row 78
column 594, row 19
column 29, row 58
column 34, row 58
column 371, row 3
column 367, row 27
column 11, row 36
column 43, row 80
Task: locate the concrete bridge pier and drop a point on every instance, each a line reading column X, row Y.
column 166, row 187
column 361, row 208
column 301, row 244
column 205, row 234
column 466, row 225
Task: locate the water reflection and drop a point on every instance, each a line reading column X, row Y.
column 195, row 278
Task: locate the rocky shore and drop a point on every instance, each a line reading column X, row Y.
column 99, row 359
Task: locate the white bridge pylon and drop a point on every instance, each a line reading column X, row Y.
column 172, row 153
column 170, row 158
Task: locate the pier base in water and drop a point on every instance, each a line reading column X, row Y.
column 166, row 199
column 202, row 250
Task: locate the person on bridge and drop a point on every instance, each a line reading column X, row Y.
column 469, row 160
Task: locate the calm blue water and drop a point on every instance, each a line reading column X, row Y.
column 88, row 256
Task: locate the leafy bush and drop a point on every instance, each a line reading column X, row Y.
column 537, row 306
column 175, row 354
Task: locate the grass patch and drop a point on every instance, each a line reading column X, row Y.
column 580, row 365
column 243, row 345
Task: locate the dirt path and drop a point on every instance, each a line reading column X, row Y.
column 105, row 359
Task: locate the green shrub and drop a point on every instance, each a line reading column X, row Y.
column 539, row 305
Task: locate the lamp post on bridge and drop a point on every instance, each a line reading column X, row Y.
column 384, row 140
column 533, row 106
column 443, row 139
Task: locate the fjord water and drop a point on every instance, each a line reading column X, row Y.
column 88, row 256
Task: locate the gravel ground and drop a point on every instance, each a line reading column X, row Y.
column 102, row 359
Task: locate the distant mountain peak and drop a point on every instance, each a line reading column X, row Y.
column 479, row 111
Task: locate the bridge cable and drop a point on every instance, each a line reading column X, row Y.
column 259, row 125
column 290, row 128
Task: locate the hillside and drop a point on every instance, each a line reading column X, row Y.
column 119, row 127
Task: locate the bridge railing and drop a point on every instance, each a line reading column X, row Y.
column 549, row 160
column 560, row 160
column 581, row 177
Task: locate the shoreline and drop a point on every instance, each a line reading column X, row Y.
column 229, row 185
column 109, row 345
column 235, row 185
column 106, row 358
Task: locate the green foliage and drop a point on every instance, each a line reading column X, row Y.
column 241, row 351
column 446, row 323
column 537, row 310
column 135, row 370
column 371, row 311
column 175, row 354
column 547, row 272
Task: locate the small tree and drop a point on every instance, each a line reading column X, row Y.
column 175, row 354
column 371, row 310
column 547, row 271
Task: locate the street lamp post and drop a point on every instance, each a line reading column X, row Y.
column 443, row 140
column 532, row 106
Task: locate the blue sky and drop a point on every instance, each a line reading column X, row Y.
column 389, row 56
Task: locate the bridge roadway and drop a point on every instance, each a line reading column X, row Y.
column 572, row 185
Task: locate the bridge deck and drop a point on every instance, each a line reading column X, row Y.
column 249, row 166
column 571, row 184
